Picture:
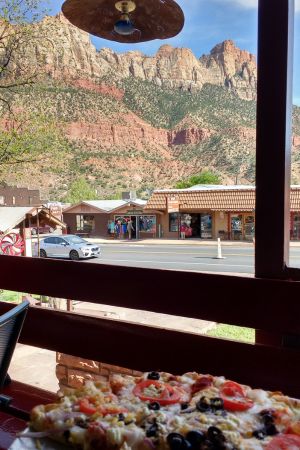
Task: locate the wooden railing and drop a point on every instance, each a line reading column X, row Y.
column 270, row 306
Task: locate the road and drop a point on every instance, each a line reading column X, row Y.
column 197, row 259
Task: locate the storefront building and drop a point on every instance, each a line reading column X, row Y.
column 212, row 211
column 121, row 219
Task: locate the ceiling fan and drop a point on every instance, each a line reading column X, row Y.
column 126, row 21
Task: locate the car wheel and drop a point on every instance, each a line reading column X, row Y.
column 74, row 255
column 43, row 254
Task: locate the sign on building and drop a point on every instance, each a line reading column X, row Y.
column 55, row 209
column 173, row 203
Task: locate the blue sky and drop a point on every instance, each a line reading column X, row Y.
column 208, row 23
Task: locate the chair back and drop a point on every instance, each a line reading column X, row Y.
column 10, row 328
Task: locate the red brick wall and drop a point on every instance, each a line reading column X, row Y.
column 72, row 372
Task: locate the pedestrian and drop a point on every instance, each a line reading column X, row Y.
column 182, row 230
column 130, row 228
column 117, row 229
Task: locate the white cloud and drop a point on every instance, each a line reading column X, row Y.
column 246, row 3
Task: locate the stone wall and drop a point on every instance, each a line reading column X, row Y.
column 72, row 371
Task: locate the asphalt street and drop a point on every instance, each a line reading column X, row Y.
column 175, row 257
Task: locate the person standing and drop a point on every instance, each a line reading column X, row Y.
column 130, row 228
column 182, row 230
column 118, row 229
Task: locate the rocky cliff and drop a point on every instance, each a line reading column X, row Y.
column 133, row 121
column 67, row 53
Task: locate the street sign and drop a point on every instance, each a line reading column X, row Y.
column 173, row 204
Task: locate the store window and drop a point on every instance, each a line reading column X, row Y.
column 186, row 225
column 236, row 226
column 249, row 227
column 206, row 226
column 147, row 224
column 295, row 232
column 85, row 223
column 173, row 222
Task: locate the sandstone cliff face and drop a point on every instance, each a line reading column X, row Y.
column 66, row 53
column 134, row 135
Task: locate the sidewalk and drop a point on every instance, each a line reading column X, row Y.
column 188, row 242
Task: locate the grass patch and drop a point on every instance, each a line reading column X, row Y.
column 11, row 296
column 233, row 332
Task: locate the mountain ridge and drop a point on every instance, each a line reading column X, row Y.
column 134, row 121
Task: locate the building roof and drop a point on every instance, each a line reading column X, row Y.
column 215, row 198
column 209, row 187
column 11, row 216
column 108, row 205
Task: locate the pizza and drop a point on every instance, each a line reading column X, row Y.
column 162, row 411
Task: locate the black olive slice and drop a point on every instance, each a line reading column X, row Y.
column 154, row 406
column 203, row 405
column 176, row 441
column 195, row 438
column 153, row 376
column 214, row 434
column 259, row 434
column 270, row 429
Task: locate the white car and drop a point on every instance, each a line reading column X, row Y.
column 68, row 246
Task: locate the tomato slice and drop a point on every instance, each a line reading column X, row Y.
column 284, row 442
column 234, row 397
column 166, row 394
column 86, row 407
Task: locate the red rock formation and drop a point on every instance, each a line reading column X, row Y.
column 134, row 135
column 189, row 136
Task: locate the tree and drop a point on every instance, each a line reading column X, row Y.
column 205, row 177
column 34, row 138
column 80, row 190
column 17, row 36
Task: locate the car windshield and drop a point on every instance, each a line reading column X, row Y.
column 75, row 240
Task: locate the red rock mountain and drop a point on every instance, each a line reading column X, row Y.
column 67, row 52
column 138, row 121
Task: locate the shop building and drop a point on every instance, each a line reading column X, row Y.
column 212, row 211
column 111, row 218
column 19, row 196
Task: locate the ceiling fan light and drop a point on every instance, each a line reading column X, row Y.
column 124, row 26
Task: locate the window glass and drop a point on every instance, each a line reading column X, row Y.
column 142, row 123
column 173, row 222
column 85, row 223
column 295, row 160
column 51, row 240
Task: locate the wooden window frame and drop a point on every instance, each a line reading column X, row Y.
column 195, row 295
column 274, row 139
column 274, row 109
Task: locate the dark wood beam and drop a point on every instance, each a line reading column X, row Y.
column 146, row 348
column 273, row 154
